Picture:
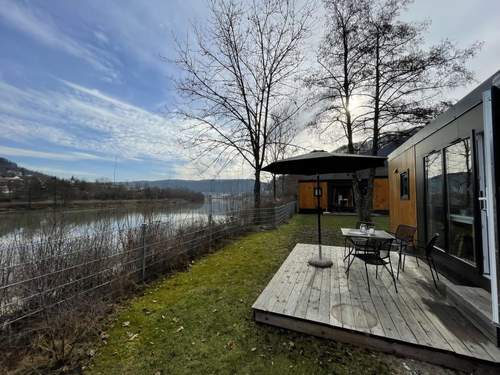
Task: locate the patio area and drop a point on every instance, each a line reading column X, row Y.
column 418, row 322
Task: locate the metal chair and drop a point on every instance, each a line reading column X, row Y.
column 376, row 253
column 405, row 235
column 350, row 243
column 429, row 249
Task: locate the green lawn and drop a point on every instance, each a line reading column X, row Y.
column 200, row 321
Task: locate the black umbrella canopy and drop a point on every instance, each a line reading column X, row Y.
column 320, row 162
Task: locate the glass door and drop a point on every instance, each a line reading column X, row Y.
column 460, row 194
column 481, row 176
column 434, row 198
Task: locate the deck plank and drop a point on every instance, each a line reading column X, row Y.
column 289, row 280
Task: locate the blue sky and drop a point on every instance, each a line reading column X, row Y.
column 83, row 86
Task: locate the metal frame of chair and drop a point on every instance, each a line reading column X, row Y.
column 371, row 253
column 349, row 242
column 429, row 249
column 405, row 235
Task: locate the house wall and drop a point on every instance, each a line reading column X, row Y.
column 381, row 194
column 412, row 211
column 307, row 201
column 402, row 211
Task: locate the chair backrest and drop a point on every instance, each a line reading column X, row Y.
column 429, row 248
column 405, row 233
column 384, row 247
column 369, row 224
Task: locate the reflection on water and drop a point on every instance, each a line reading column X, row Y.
column 28, row 224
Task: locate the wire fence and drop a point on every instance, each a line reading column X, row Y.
column 39, row 277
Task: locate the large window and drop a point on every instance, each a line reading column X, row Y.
column 459, row 182
column 434, row 200
column 449, row 199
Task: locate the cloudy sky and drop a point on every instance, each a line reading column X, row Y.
column 84, row 84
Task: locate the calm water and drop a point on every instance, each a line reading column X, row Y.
column 29, row 223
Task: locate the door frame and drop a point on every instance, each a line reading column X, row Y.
column 492, row 156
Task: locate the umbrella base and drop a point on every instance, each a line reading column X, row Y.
column 320, row 262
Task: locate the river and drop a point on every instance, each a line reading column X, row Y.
column 29, row 224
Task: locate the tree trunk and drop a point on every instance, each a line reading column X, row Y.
column 256, row 189
column 274, row 187
column 363, row 195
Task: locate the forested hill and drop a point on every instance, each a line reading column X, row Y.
column 9, row 168
column 205, row 186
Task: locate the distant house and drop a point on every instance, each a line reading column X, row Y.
column 10, row 184
column 338, row 194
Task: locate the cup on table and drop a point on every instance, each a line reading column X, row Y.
column 371, row 231
column 362, row 228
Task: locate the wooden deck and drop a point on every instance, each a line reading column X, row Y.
column 417, row 322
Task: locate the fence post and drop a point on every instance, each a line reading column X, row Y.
column 210, row 213
column 143, row 249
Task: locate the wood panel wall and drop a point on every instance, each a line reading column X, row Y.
column 402, row 211
column 381, row 194
column 306, row 199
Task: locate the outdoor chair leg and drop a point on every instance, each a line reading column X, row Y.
column 376, row 272
column 404, row 261
column 349, row 263
column 416, row 256
column 391, row 271
column 367, row 279
column 399, row 263
column 435, row 268
column 429, row 261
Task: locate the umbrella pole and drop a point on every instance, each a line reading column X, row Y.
column 319, row 261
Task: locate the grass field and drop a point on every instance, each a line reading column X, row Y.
column 200, row 321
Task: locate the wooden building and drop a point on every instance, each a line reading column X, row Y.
column 444, row 180
column 338, row 195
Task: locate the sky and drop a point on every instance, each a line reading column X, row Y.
column 85, row 85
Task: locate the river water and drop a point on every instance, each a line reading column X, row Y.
column 29, row 224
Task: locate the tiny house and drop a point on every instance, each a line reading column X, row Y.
column 338, row 195
column 444, row 179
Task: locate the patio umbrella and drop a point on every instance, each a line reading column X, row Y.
column 320, row 162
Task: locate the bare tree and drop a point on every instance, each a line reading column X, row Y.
column 281, row 141
column 341, row 79
column 241, row 68
column 399, row 80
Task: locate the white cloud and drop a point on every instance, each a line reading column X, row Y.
column 42, row 28
column 87, row 120
column 68, row 156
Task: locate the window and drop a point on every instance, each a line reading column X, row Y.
column 434, row 197
column 449, row 199
column 459, row 184
column 404, row 185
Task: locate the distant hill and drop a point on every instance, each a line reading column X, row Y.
column 10, row 169
column 205, row 186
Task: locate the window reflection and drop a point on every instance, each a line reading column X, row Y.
column 434, row 196
column 460, row 199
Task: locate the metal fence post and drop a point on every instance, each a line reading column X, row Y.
column 210, row 213
column 143, row 248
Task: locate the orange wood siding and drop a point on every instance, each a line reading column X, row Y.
column 381, row 194
column 306, row 198
column 402, row 211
